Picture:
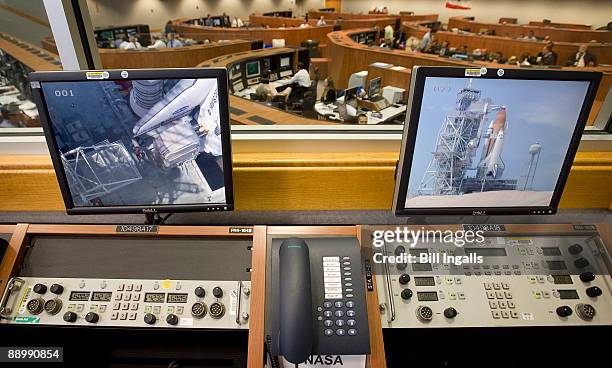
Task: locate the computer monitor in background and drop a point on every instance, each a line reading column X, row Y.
column 216, row 22
column 138, row 141
column 490, row 141
column 350, row 96
column 252, row 69
column 374, row 87
column 285, row 62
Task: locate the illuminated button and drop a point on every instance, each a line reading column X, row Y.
column 496, row 314
column 448, row 280
column 531, row 279
column 71, row 307
column 493, row 304
column 537, row 295
column 452, row 296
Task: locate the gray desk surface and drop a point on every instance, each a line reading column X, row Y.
column 582, row 216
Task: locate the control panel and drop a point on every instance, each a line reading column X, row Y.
column 502, row 281
column 127, row 303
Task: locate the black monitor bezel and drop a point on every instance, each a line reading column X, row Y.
column 137, row 74
column 420, row 73
column 370, row 86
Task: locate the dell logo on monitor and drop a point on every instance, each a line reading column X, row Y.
column 149, row 210
column 479, row 213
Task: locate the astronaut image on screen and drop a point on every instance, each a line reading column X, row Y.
column 139, row 142
column 492, row 142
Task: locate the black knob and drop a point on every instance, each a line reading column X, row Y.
column 400, row 250
column 200, row 292
column 172, row 319
column 401, row 266
column 404, row 279
column 575, row 248
column 450, row 313
column 150, row 319
column 581, row 262
column 56, row 289
column 217, row 292
column 40, row 289
column 92, row 317
column 70, row 317
column 593, row 291
column 406, row 294
column 587, row 276
column 564, row 311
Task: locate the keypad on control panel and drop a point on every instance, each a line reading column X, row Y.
column 501, row 301
column 337, row 314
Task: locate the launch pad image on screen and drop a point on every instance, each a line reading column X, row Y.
column 138, row 142
column 492, row 142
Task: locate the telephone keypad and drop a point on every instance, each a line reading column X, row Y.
column 334, row 311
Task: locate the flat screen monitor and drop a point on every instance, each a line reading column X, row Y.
column 252, row 69
column 374, row 87
column 490, row 141
column 138, row 141
column 285, row 62
column 350, row 96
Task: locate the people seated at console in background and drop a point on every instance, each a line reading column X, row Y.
column 266, row 92
column 582, row 58
column 607, row 27
column 158, row 43
column 208, row 22
column 172, row 41
column 547, row 56
column 237, row 23
column 305, row 24
column 547, row 39
column 329, row 94
column 299, row 82
column 427, row 40
column 117, row 42
column 389, row 36
column 362, row 119
column 531, row 36
column 523, row 60
column 168, row 28
column 308, row 105
column 444, row 49
column 399, row 40
column 338, row 24
column 321, row 22
column 130, row 43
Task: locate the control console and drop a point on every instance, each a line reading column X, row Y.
column 504, row 281
column 127, row 303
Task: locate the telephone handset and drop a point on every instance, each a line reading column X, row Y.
column 317, row 298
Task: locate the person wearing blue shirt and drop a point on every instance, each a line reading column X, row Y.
column 172, row 42
column 427, row 40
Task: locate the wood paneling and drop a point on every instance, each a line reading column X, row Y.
column 300, row 181
column 13, row 255
column 515, row 30
column 25, row 56
column 292, row 36
column 560, row 25
column 258, row 299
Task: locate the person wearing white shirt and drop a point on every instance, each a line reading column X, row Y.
column 305, row 24
column 172, row 42
column 158, row 43
column 300, row 81
column 131, row 44
column 388, row 35
column 321, row 22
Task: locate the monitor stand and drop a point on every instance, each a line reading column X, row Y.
column 155, row 218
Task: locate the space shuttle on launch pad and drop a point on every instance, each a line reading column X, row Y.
column 492, row 163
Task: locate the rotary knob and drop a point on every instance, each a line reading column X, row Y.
column 172, row 319
column 575, row 249
column 450, row 313
column 200, row 292
column 587, row 276
column 53, row 306
column 150, row 319
column 404, row 279
column 400, row 250
column 40, row 288
column 56, row 289
column 217, row 292
column 564, row 311
column 401, row 266
column 70, row 317
column 581, row 262
column 406, row 294
column 593, row 291
column 92, row 317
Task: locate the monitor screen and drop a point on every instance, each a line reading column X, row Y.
column 216, row 22
column 374, row 88
column 252, row 69
column 138, row 141
column 285, row 62
column 497, row 141
column 350, row 96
